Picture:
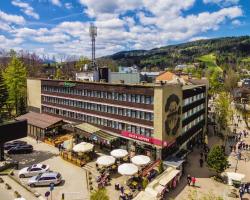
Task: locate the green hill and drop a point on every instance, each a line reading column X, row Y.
column 220, row 51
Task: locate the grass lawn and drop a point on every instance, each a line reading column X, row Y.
column 210, row 61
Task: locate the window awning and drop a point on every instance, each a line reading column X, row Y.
column 168, row 177
column 95, row 133
column 105, row 136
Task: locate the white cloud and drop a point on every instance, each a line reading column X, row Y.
column 68, row 6
column 9, row 43
column 56, row 2
column 198, row 38
column 222, row 2
column 236, row 22
column 26, row 8
column 15, row 19
column 52, row 38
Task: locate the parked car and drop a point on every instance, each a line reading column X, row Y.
column 27, row 148
column 9, row 145
column 45, row 179
column 33, row 170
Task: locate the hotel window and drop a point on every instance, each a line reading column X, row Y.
column 142, row 99
column 133, row 129
column 109, row 109
column 133, row 113
column 142, row 131
column 148, row 100
column 124, row 97
column 128, row 113
column 147, row 116
column 129, row 97
column 120, row 97
column 138, row 131
column 138, row 100
column 109, row 95
column 142, row 115
column 133, row 98
column 120, row 112
column 128, row 127
column 138, row 114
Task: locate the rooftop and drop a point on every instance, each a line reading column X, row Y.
column 40, row 120
column 141, row 85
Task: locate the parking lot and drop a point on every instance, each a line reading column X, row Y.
column 74, row 178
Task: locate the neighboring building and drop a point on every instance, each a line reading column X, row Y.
column 127, row 78
column 132, row 69
column 42, row 125
column 12, row 130
column 170, row 77
column 156, row 119
column 180, row 67
column 87, row 76
column 149, row 76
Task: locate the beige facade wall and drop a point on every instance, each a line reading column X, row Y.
column 34, row 93
column 167, row 112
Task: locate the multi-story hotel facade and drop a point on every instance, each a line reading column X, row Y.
column 159, row 117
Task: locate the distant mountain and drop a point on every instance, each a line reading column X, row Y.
column 227, row 50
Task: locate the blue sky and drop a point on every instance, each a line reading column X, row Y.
column 60, row 27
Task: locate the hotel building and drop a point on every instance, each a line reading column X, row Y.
column 160, row 117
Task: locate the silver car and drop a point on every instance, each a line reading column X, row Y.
column 45, row 179
column 33, row 170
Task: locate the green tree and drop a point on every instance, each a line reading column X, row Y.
column 15, row 79
column 214, row 77
column 231, row 80
column 223, row 109
column 22, row 109
column 100, row 194
column 3, row 95
column 59, row 74
column 81, row 62
column 216, row 160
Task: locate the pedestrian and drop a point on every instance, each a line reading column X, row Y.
column 201, row 162
column 193, row 180
column 201, row 154
column 37, row 139
column 189, row 180
column 241, row 191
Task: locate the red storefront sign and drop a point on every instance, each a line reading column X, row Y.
column 143, row 138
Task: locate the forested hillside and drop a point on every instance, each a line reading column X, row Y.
column 229, row 51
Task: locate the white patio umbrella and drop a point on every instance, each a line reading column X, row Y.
column 105, row 160
column 83, row 147
column 119, row 153
column 128, row 169
column 140, row 160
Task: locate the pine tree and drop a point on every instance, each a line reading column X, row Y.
column 15, row 80
column 216, row 160
column 3, row 95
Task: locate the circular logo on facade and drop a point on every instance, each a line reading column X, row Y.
column 173, row 111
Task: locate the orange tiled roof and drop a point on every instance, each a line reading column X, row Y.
column 166, row 76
